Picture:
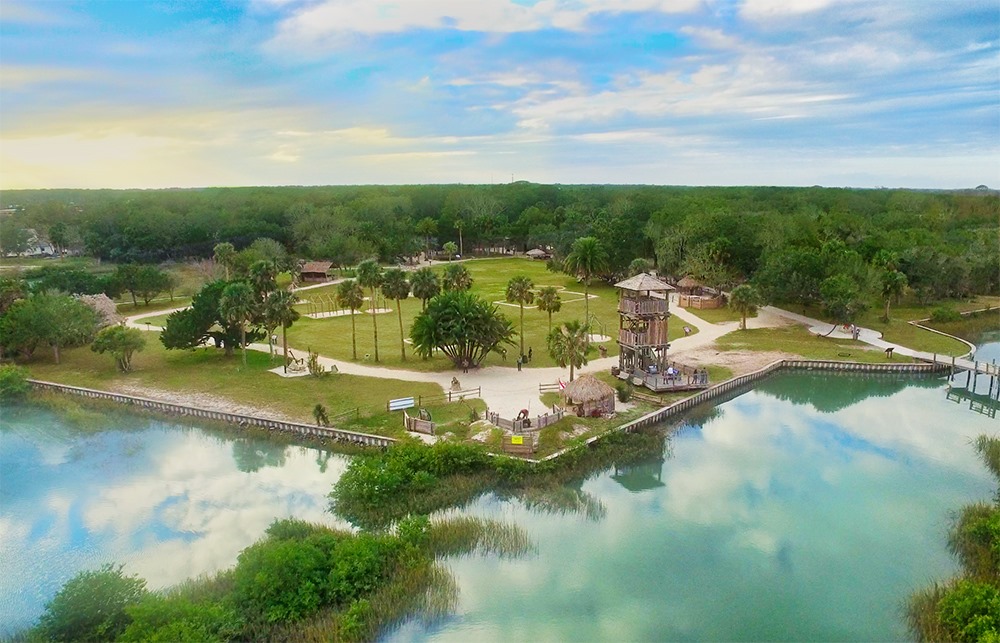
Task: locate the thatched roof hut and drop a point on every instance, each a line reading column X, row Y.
column 644, row 283
column 689, row 284
column 537, row 253
column 588, row 395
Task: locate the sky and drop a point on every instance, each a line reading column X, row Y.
column 186, row 93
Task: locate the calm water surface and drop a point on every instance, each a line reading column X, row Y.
column 806, row 509
column 169, row 501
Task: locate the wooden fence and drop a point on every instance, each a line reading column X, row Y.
column 449, row 396
column 417, row 425
column 527, row 424
column 522, row 444
column 242, row 421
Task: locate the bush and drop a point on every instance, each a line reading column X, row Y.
column 168, row 619
column 91, row 606
column 13, row 382
column 624, row 391
column 945, row 314
column 354, row 624
column 970, row 610
column 279, row 580
column 357, row 566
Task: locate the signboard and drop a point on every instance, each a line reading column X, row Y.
column 517, row 439
column 401, row 403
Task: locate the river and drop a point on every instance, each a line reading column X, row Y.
column 808, row 508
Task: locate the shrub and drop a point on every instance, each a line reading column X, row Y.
column 13, row 382
column 279, row 580
column 414, row 530
column 91, row 606
column 357, row 566
column 970, row 610
column 624, row 391
column 945, row 314
column 177, row 618
column 354, row 624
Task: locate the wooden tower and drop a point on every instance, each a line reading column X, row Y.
column 644, row 311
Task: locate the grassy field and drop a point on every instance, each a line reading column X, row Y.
column 898, row 331
column 332, row 336
column 209, row 371
column 718, row 315
column 799, row 341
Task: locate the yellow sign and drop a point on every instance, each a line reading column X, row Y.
column 517, row 439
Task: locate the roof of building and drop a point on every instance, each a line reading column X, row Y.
column 317, row 266
column 537, row 252
column 644, row 282
column 689, row 282
column 587, row 388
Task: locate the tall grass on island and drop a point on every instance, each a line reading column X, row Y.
column 300, row 582
column 966, row 608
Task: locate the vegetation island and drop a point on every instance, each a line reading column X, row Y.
column 499, row 335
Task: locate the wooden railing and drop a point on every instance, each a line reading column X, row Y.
column 642, row 306
column 418, row 425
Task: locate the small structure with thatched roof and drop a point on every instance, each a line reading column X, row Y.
column 537, row 253
column 589, row 396
column 315, row 271
column 688, row 285
column 694, row 294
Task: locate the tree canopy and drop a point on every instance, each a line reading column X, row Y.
column 462, row 326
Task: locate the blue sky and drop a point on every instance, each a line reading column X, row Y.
column 697, row 92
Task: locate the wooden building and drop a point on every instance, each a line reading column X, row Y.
column 315, row 271
column 643, row 311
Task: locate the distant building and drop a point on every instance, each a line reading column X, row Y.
column 315, row 271
column 537, row 253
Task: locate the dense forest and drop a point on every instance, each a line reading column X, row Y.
column 788, row 240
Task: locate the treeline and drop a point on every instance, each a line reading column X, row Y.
column 737, row 229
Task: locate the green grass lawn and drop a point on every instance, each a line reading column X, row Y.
column 799, row 341
column 332, row 336
column 898, row 331
column 718, row 315
column 210, row 371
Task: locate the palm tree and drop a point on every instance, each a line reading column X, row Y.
column 238, row 305
column 350, row 295
column 549, row 302
column 279, row 310
column 224, row 253
column 457, row 278
column 395, row 286
column 426, row 285
column 263, row 275
column 586, row 259
column 426, row 227
column 451, row 249
column 519, row 292
column 744, row 299
column 568, row 345
column 893, row 284
column 460, row 225
column 370, row 276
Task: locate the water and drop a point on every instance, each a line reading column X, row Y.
column 168, row 501
column 808, row 508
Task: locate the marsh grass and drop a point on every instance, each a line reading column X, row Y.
column 563, row 500
column 971, row 327
column 457, row 535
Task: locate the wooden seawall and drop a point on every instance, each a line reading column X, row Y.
column 308, row 430
column 733, row 387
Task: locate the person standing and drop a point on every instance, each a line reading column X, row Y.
column 518, row 363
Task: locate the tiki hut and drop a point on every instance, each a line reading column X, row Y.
column 689, row 285
column 589, row 396
column 315, row 271
column 537, row 253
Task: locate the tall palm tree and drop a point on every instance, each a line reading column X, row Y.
column 395, row 286
column 457, row 278
column 586, row 259
column 892, row 284
column 519, row 292
column 426, row 285
column 744, row 299
column 350, row 295
column 568, row 345
column 370, row 276
column 263, row 276
column 238, row 305
column 549, row 302
column 224, row 253
column 460, row 225
column 279, row 310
